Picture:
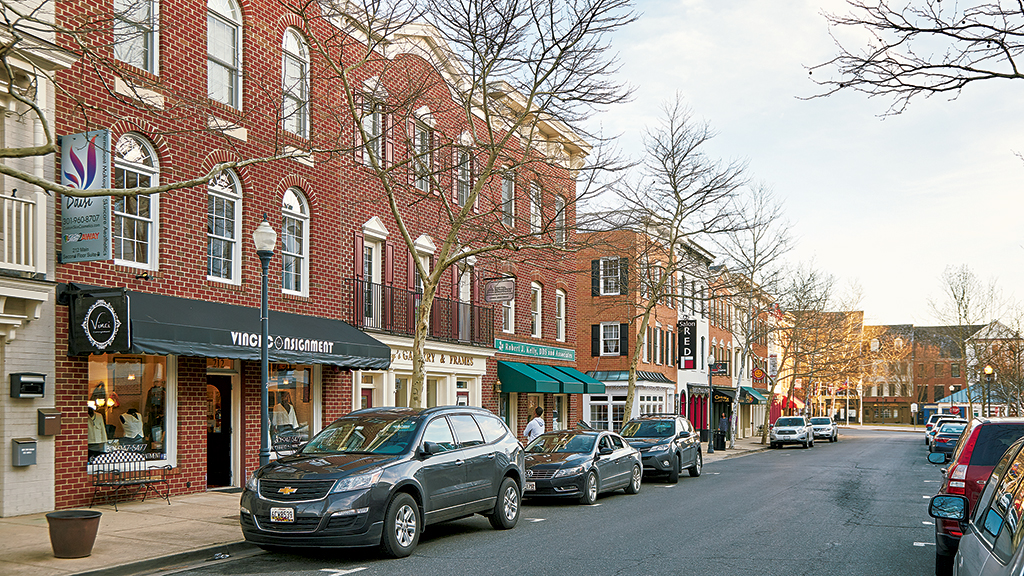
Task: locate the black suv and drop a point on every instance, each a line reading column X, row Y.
column 378, row 476
column 667, row 443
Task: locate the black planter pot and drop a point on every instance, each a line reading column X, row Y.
column 73, row 532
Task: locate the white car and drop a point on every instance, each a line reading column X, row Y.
column 826, row 428
column 792, row 430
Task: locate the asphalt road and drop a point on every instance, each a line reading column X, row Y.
column 857, row 507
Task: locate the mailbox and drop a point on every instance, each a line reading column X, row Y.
column 27, row 385
column 49, row 422
column 24, row 451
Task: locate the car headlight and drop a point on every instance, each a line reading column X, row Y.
column 357, row 482
column 658, row 448
column 574, row 471
column 253, row 484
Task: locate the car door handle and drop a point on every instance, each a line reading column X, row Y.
column 490, row 456
column 459, row 462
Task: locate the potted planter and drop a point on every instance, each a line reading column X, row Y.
column 73, row 532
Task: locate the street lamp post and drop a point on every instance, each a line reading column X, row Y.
column 265, row 239
column 711, row 397
column 987, row 404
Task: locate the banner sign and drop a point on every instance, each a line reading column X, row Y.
column 99, row 324
column 687, row 344
column 758, row 375
column 773, row 365
column 720, row 369
column 534, row 350
column 500, row 290
column 85, row 222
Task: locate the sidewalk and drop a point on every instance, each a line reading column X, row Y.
column 150, row 536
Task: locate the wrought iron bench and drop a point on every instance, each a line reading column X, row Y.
column 127, row 473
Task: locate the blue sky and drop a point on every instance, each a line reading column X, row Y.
column 885, row 202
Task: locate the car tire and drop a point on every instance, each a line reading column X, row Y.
column 506, row 510
column 698, row 463
column 673, row 471
column 943, row 565
column 589, row 495
column 401, row 526
column 635, row 480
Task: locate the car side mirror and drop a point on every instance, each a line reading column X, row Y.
column 429, row 449
column 938, row 457
column 604, row 451
column 948, row 507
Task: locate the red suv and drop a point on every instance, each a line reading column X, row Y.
column 976, row 454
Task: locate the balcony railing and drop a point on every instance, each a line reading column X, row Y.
column 23, row 233
column 392, row 309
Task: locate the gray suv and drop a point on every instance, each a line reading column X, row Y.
column 792, row 430
column 667, row 442
column 379, row 475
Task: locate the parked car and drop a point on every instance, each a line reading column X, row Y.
column 931, row 422
column 825, row 428
column 581, row 464
column 379, row 475
column 791, row 430
column 991, row 542
column 976, row 453
column 946, row 437
column 938, row 424
column 667, row 444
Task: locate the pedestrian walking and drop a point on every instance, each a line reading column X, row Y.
column 536, row 426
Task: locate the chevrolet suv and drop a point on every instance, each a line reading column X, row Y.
column 668, row 444
column 980, row 446
column 379, row 475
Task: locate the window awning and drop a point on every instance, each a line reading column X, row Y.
column 749, row 395
column 545, row 379
column 723, row 394
column 623, row 375
column 171, row 325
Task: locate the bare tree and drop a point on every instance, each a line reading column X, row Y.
column 922, row 48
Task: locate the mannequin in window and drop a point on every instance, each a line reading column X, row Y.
column 153, row 410
column 284, row 413
column 131, row 422
column 97, row 432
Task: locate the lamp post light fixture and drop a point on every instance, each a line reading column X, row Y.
column 265, row 238
column 711, row 398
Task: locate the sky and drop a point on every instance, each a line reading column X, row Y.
column 884, row 202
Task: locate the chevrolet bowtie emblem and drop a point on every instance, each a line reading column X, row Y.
column 288, row 490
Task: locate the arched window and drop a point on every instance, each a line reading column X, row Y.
column 135, row 217
column 295, row 88
column 224, row 228
column 224, row 52
column 294, row 242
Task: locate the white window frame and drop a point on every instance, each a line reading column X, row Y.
column 139, row 20
column 224, row 191
column 140, row 160
column 229, row 14
column 536, row 216
column 463, row 175
column 508, row 316
column 561, row 234
column 373, row 127
column 295, row 83
column 610, row 344
column 423, row 160
column 508, row 199
column 373, row 297
column 610, row 281
column 657, row 343
column 298, row 214
column 536, row 310
column 560, row 303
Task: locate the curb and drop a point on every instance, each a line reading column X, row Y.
column 233, row 550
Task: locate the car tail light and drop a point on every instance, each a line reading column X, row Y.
column 959, row 473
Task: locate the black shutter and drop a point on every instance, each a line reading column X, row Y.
column 595, row 277
column 623, row 276
column 623, row 339
column 595, row 339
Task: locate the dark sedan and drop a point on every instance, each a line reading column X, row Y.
column 378, row 476
column 946, row 437
column 581, row 464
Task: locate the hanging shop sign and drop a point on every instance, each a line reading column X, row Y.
column 687, row 344
column 98, row 324
column 720, row 369
column 85, row 222
column 500, row 290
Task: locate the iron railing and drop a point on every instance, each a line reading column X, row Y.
column 392, row 309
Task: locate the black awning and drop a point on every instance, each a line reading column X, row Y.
column 723, row 394
column 170, row 325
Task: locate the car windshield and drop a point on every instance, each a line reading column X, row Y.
column 821, row 420
column 789, row 422
column 573, row 443
column 648, row 429
column 365, row 434
column 953, row 428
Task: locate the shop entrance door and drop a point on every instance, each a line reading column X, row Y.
column 366, row 400
column 218, row 430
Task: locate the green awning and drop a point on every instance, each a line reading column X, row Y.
column 593, row 386
column 751, row 396
column 569, row 384
column 519, row 377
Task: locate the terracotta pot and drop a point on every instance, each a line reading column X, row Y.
column 73, row 532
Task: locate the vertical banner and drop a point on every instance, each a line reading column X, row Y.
column 687, row 344
column 85, row 222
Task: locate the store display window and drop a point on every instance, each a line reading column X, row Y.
column 290, row 396
column 127, row 405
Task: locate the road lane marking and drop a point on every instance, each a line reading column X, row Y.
column 340, row 572
column 929, row 523
column 536, row 519
column 920, row 544
column 927, row 481
column 926, row 497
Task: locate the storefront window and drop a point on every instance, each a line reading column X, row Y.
column 127, row 405
column 560, row 416
column 291, row 398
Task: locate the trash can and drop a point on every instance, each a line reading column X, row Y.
column 73, row 532
column 719, row 440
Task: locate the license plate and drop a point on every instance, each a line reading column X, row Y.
column 282, row 514
column 785, row 436
column 530, row 486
